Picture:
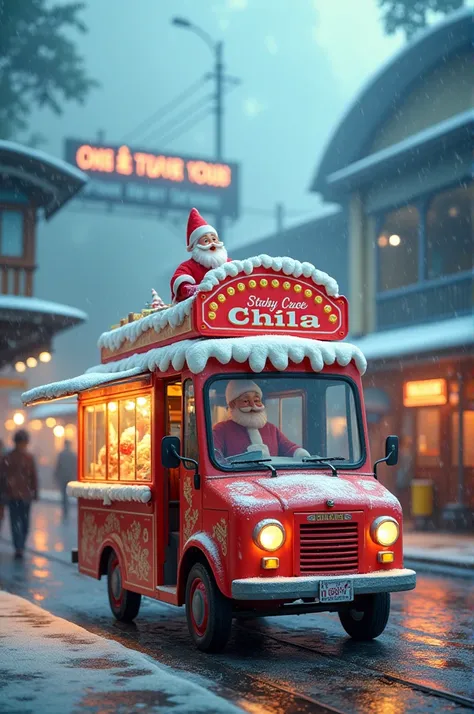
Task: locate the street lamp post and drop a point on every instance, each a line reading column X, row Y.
column 217, row 48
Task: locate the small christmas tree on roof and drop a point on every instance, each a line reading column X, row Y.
column 156, row 302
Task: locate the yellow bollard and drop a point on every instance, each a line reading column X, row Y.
column 422, row 500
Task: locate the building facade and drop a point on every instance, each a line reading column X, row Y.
column 33, row 185
column 400, row 165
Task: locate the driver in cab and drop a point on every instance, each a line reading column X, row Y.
column 247, row 428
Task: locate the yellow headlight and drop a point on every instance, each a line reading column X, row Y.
column 269, row 535
column 385, row 530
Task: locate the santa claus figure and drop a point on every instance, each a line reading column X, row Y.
column 248, row 428
column 207, row 252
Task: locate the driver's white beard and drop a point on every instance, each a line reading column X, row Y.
column 250, row 420
column 209, row 258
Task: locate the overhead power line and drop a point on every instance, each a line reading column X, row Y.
column 175, row 121
column 186, row 126
column 166, row 109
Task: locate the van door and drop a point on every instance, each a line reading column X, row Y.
column 173, row 427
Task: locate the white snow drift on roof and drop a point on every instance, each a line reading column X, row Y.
column 28, row 304
column 176, row 314
column 108, row 492
column 275, row 350
column 446, row 334
column 76, row 385
column 172, row 316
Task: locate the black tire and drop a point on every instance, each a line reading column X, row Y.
column 368, row 616
column 208, row 612
column 124, row 604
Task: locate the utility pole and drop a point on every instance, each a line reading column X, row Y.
column 219, row 125
column 279, row 215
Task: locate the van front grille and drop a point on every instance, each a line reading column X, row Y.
column 329, row 547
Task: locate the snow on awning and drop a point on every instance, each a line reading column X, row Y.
column 434, row 336
column 71, row 387
column 276, row 350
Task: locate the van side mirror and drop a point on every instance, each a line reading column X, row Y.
column 171, row 458
column 391, row 450
column 170, row 450
column 391, row 453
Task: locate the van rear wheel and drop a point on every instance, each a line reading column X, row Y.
column 367, row 617
column 124, row 604
column 208, row 612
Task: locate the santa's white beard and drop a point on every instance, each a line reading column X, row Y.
column 209, row 258
column 250, row 420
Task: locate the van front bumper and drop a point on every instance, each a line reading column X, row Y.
column 282, row 588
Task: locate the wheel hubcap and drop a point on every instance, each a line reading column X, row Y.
column 199, row 606
column 116, row 584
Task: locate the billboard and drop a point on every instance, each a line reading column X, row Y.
column 129, row 175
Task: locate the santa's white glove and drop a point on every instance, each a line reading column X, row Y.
column 188, row 290
column 259, row 447
column 301, row 453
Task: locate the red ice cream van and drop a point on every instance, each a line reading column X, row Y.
column 224, row 463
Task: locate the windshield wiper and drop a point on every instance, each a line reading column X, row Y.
column 325, row 460
column 265, row 463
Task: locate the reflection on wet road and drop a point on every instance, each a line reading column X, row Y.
column 278, row 665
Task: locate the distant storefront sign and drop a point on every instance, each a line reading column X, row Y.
column 127, row 175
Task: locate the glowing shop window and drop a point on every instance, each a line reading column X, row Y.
column 468, row 441
column 428, row 442
column 94, row 442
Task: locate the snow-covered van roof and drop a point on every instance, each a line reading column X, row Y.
column 195, row 354
column 256, row 296
column 261, row 311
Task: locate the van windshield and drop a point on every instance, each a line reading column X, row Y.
column 284, row 421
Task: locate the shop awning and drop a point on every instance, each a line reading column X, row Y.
column 419, row 339
column 74, row 386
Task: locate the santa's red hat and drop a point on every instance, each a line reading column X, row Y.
column 197, row 227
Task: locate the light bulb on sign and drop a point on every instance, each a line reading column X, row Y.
column 58, row 431
column 31, row 362
column 45, row 357
column 18, row 418
column 394, row 240
column 20, row 367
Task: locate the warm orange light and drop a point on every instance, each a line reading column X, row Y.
column 425, row 393
column 45, row 357
column 36, row 425
column 93, row 158
column 112, row 406
column 20, row 367
column 18, row 418
column 50, row 421
column 31, row 362
column 130, row 406
column 9, row 425
column 58, row 431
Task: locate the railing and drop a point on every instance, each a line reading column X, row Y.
column 425, row 302
column 16, row 280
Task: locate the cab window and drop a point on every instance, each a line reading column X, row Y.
column 285, row 420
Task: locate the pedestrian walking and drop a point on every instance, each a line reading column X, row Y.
column 2, row 504
column 66, row 470
column 18, row 488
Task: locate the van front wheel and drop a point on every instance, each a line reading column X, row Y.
column 208, row 612
column 124, row 604
column 367, row 617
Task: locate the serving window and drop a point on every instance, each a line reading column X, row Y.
column 117, row 440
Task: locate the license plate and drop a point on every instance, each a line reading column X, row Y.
column 336, row 590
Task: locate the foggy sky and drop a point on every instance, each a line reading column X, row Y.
column 300, row 63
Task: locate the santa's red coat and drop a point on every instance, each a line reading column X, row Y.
column 188, row 273
column 231, row 439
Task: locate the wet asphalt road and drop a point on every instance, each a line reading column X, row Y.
column 276, row 665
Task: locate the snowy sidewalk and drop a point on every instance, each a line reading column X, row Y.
column 450, row 549
column 47, row 664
